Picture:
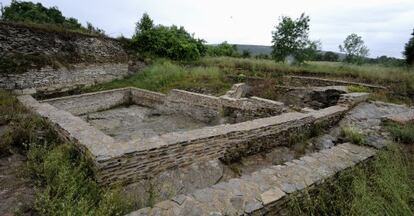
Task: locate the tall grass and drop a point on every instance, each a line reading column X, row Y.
column 164, row 75
column 372, row 73
column 63, row 179
column 381, row 187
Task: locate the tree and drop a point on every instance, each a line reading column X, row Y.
column 163, row 41
column 354, row 48
column 409, row 50
column 145, row 24
column 291, row 38
column 223, row 49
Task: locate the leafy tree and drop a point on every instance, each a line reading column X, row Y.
column 409, row 51
column 354, row 48
column 164, row 41
column 291, row 38
column 223, row 49
column 145, row 24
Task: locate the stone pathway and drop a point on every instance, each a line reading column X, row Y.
column 263, row 190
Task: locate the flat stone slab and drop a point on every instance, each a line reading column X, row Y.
column 265, row 189
column 401, row 118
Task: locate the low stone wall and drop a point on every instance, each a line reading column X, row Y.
column 264, row 192
column 140, row 159
column 91, row 102
column 227, row 142
column 208, row 108
column 146, row 98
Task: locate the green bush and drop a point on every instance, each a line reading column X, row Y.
column 168, row 42
column 409, row 51
column 223, row 49
column 29, row 12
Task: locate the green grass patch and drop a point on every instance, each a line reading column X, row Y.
column 380, row 187
column 402, row 133
column 352, row 135
column 63, row 179
column 358, row 88
column 400, row 80
column 163, row 76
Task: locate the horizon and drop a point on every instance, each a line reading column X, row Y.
column 384, row 25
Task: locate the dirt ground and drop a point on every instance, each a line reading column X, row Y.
column 16, row 192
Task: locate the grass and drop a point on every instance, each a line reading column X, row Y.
column 163, row 76
column 400, row 80
column 402, row 133
column 352, row 135
column 381, row 187
column 63, row 179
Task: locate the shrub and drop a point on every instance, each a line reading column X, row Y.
column 223, row 49
column 409, row 50
column 28, row 12
column 168, row 42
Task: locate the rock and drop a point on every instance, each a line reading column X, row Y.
column 400, row 118
column 238, row 91
column 271, row 196
column 324, row 142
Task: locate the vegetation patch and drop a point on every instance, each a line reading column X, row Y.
column 164, row 75
column 352, row 135
column 380, row 187
column 402, row 133
column 63, row 178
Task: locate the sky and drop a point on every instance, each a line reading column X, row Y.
column 385, row 25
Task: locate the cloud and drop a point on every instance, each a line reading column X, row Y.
column 385, row 25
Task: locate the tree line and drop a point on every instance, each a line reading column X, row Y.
column 290, row 39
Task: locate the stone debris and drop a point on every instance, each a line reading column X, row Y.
column 239, row 90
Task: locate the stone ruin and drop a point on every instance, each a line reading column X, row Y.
column 134, row 135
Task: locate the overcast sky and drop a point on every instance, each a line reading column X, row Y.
column 385, row 25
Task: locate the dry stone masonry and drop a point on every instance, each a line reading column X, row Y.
column 137, row 159
column 58, row 60
column 233, row 126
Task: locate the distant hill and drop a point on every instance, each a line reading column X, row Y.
column 261, row 49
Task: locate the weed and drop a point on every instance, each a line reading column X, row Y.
column 358, row 88
column 353, row 135
column 402, row 133
column 379, row 187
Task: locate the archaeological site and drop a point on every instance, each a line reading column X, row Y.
column 94, row 125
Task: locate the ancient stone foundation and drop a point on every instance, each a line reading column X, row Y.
column 135, row 159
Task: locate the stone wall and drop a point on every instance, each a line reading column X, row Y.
column 91, row 102
column 227, row 142
column 140, row 159
column 264, row 192
column 207, row 108
column 50, row 60
column 48, row 79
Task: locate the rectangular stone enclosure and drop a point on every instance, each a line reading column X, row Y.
column 132, row 134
